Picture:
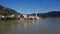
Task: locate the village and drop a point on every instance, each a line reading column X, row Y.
column 19, row 17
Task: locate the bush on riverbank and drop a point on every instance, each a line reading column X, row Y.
column 10, row 18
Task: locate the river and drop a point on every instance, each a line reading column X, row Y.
column 42, row 26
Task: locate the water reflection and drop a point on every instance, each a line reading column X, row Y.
column 19, row 25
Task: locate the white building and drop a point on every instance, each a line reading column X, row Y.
column 34, row 17
column 11, row 15
column 24, row 15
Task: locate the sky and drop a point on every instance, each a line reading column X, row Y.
column 32, row 6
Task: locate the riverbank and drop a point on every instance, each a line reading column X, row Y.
column 16, row 21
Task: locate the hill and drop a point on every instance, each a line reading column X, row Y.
column 7, row 11
column 54, row 14
column 49, row 14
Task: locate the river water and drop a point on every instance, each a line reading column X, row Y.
column 42, row 26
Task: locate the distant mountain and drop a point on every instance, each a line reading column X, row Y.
column 54, row 14
column 49, row 14
column 7, row 11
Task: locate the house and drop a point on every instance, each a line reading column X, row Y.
column 33, row 17
column 1, row 16
column 11, row 15
column 15, row 15
column 25, row 15
column 30, row 17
